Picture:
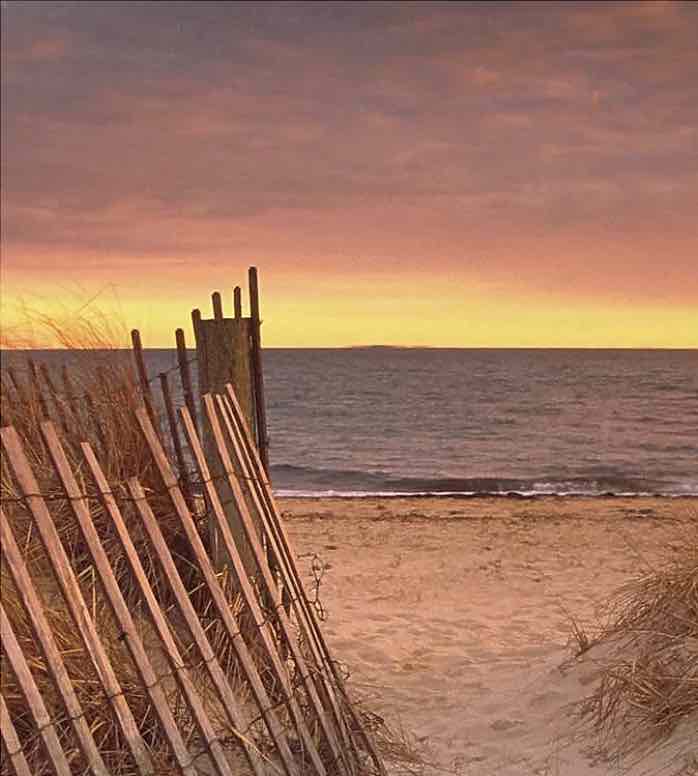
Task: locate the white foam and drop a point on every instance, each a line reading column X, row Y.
column 317, row 494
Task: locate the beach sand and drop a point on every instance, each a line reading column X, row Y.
column 453, row 616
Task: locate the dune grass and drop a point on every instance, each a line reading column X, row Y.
column 647, row 694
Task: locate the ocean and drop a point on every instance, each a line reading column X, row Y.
column 363, row 421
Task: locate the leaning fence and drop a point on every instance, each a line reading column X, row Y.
column 224, row 679
column 153, row 617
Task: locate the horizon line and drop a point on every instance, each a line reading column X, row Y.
column 372, row 347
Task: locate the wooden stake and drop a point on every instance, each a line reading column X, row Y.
column 143, row 375
column 185, row 374
column 174, row 433
column 200, row 351
column 217, row 306
column 237, row 302
column 257, row 372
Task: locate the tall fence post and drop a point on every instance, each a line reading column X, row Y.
column 257, row 372
column 224, row 349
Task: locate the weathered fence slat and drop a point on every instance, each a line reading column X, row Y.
column 11, row 743
column 143, row 375
column 257, row 372
column 174, row 434
column 217, row 304
column 74, row 599
column 291, row 581
column 200, row 348
column 185, row 375
column 35, row 702
column 268, row 583
column 235, row 714
column 217, row 594
column 279, row 530
column 237, row 302
column 119, row 607
column 179, row 670
column 34, row 607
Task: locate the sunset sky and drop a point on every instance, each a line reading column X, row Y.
column 408, row 173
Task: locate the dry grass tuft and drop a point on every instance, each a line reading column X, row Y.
column 649, row 682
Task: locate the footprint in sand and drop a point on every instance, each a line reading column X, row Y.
column 505, row 724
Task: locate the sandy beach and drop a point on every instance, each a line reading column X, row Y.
column 453, row 616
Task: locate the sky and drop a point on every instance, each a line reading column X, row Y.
column 475, row 174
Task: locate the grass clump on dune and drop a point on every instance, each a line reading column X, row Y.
column 647, row 695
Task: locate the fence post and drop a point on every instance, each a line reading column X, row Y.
column 223, row 349
column 143, row 376
column 257, row 373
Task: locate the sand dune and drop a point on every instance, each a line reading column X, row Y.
column 453, row 616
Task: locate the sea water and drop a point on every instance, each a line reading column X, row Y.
column 362, row 421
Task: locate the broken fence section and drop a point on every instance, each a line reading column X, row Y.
column 184, row 680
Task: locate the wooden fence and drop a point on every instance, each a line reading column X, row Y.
column 264, row 696
column 227, row 350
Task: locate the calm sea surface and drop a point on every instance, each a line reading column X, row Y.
column 384, row 420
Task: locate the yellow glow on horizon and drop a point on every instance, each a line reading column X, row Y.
column 350, row 312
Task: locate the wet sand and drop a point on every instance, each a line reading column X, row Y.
column 453, row 615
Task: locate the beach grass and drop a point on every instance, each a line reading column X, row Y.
column 647, row 693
